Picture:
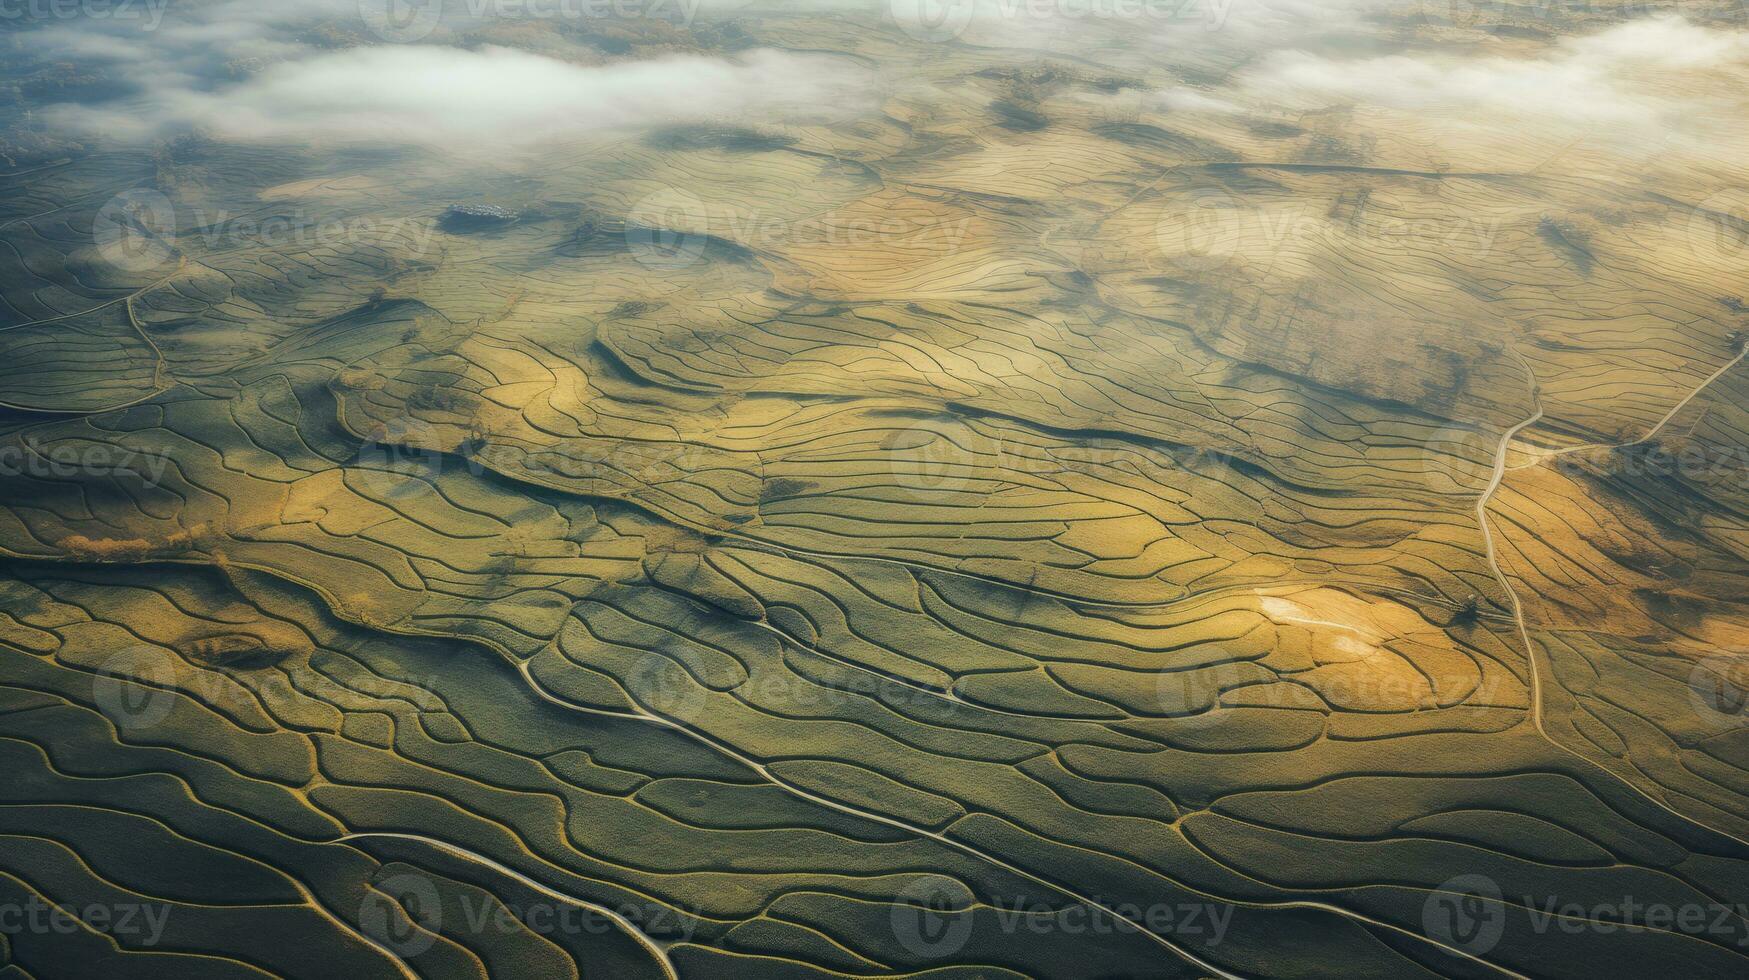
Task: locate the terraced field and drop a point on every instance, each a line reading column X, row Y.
column 1244, row 491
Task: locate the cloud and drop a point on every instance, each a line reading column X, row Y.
column 1643, row 74
column 246, row 70
column 448, row 96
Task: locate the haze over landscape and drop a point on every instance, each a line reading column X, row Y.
column 906, row 488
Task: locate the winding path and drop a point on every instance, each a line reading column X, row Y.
column 1517, row 607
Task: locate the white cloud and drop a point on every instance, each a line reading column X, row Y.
column 475, row 98
column 1185, row 99
column 254, row 70
column 1641, row 74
